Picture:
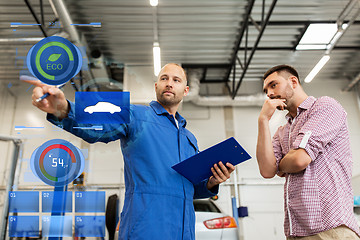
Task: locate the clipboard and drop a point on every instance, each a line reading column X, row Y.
column 198, row 167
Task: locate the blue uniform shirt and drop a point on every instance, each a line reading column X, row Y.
column 158, row 200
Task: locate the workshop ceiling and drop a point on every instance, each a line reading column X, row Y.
column 196, row 33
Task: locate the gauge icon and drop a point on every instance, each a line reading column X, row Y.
column 54, row 60
column 57, row 162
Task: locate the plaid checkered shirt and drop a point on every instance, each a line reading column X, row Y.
column 320, row 197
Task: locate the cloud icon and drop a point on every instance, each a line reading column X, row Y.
column 103, row 107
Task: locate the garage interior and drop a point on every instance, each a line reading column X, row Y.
column 224, row 46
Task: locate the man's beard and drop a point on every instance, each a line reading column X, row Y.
column 168, row 101
column 289, row 93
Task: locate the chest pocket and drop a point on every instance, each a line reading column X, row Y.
column 192, row 144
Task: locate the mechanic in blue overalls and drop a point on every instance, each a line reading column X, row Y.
column 158, row 201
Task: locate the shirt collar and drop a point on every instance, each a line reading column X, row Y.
column 305, row 105
column 160, row 110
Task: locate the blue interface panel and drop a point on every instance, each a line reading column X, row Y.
column 56, row 202
column 22, row 201
column 102, row 107
column 90, row 201
column 24, row 226
column 89, row 226
column 57, row 226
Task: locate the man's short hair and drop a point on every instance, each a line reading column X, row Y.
column 282, row 68
column 185, row 73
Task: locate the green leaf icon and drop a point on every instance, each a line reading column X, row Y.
column 53, row 57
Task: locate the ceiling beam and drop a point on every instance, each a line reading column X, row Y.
column 352, row 83
column 36, row 18
column 247, row 61
column 240, row 35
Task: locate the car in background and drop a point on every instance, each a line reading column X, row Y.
column 211, row 223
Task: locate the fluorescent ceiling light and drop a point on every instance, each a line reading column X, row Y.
column 336, row 37
column 311, row 46
column 15, row 40
column 317, row 68
column 154, row 3
column 319, row 33
column 338, row 34
column 157, row 58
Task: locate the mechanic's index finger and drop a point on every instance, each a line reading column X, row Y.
column 34, row 82
column 38, row 92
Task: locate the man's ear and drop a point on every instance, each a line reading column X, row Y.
column 186, row 91
column 294, row 81
column 155, row 86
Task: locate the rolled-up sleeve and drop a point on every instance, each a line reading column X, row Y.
column 323, row 125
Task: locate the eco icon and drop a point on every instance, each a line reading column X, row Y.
column 54, row 60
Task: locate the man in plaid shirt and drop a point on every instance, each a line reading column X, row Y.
column 312, row 151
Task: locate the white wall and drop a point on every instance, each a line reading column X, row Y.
column 7, row 109
column 264, row 198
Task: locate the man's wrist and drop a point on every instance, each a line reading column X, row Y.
column 263, row 119
column 209, row 184
column 63, row 113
